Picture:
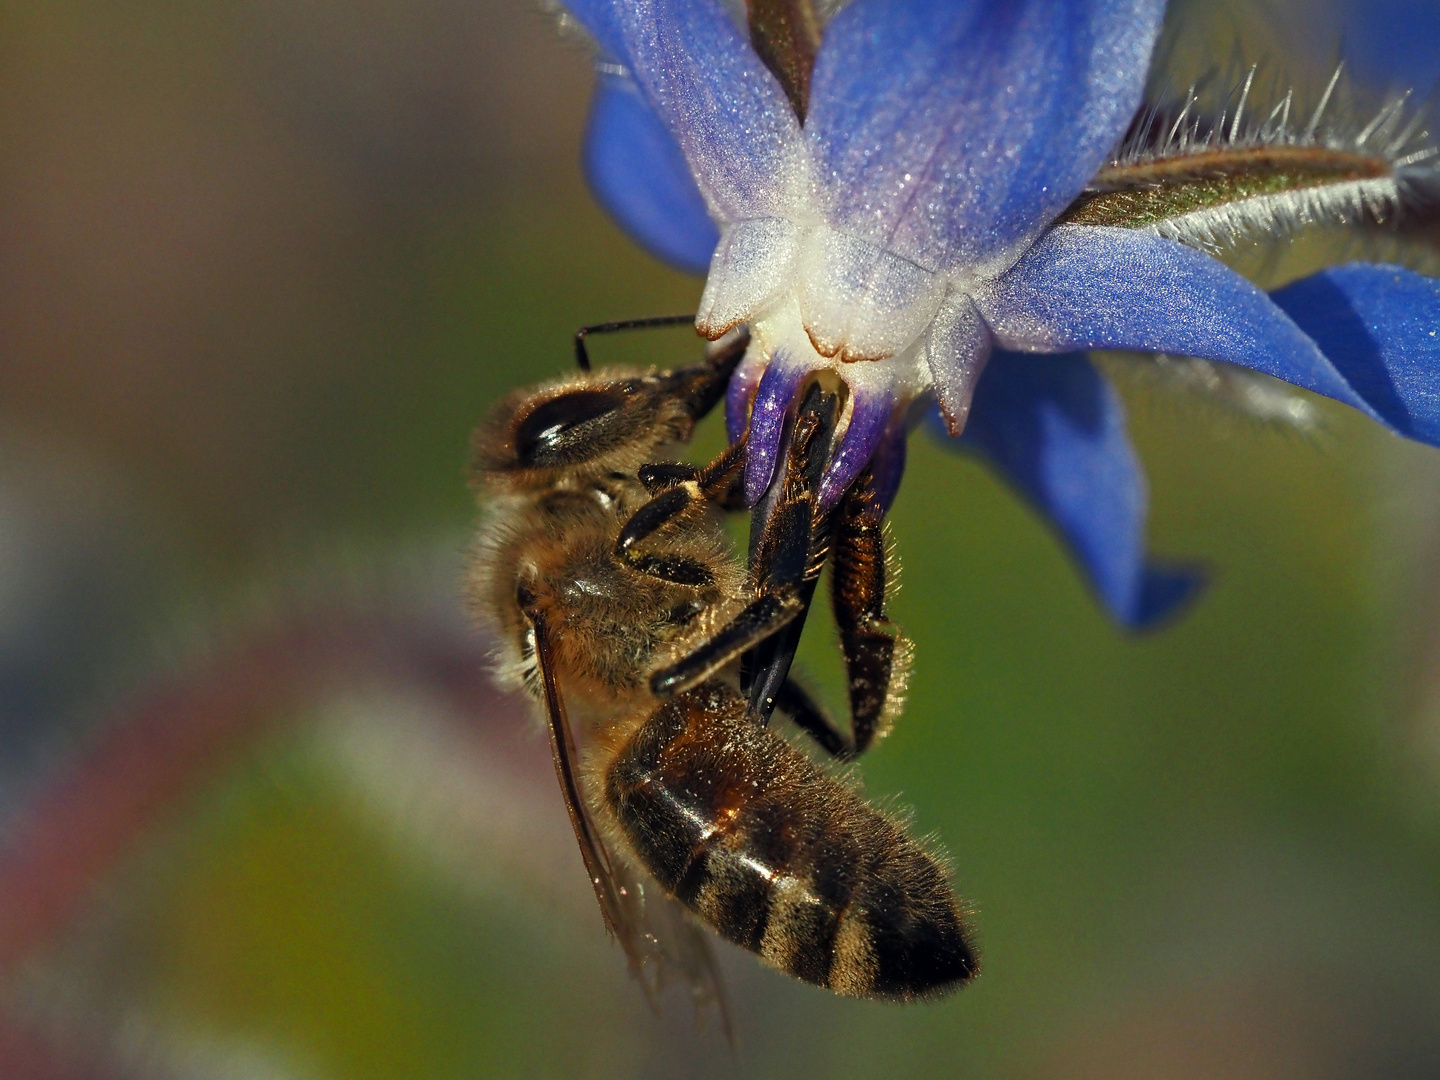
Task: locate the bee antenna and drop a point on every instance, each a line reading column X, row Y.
column 582, row 356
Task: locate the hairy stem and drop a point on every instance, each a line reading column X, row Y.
column 1144, row 193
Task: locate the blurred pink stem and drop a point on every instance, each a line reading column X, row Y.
column 171, row 740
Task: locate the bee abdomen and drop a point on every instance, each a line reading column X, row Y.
column 780, row 858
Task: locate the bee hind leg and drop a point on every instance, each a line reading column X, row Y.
column 795, row 702
column 876, row 654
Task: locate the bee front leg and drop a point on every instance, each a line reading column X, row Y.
column 876, row 653
column 679, row 490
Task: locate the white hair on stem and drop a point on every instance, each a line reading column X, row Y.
column 1218, row 175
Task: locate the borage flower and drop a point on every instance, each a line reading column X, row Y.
column 941, row 198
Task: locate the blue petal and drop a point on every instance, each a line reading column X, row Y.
column 638, row 174
column 731, row 120
column 1055, row 429
column 1380, row 326
column 952, row 131
column 1083, row 287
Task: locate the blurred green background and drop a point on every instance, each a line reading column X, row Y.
column 262, row 266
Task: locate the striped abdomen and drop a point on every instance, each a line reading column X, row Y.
column 780, row 858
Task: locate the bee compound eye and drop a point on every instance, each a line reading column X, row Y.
column 561, row 430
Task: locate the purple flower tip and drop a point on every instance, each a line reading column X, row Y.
column 767, row 422
column 765, row 397
column 869, row 420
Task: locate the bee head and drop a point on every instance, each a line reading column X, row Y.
column 576, row 427
column 580, row 428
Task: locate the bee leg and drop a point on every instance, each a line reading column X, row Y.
column 789, row 556
column 679, row 489
column 658, row 476
column 762, row 618
column 795, row 702
column 876, row 655
column 789, row 542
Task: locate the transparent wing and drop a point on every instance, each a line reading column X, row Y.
column 661, row 940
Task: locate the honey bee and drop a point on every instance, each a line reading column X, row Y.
column 602, row 567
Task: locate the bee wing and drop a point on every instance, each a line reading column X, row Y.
column 670, row 943
column 655, row 931
column 562, row 752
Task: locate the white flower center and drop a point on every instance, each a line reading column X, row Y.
column 779, row 333
column 820, row 298
column 856, row 300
